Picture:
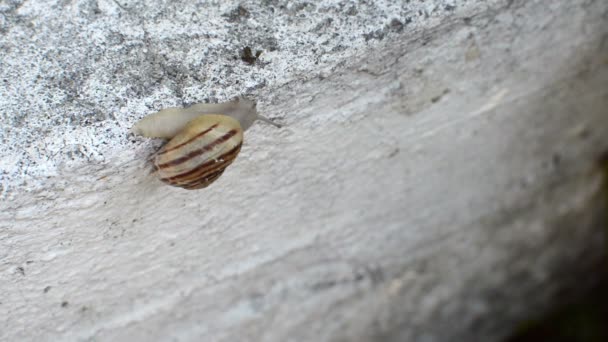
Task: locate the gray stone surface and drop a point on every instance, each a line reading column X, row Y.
column 435, row 178
column 77, row 74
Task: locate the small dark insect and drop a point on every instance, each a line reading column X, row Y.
column 248, row 57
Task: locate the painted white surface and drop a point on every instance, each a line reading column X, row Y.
column 414, row 184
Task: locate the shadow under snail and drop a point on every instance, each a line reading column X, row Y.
column 204, row 140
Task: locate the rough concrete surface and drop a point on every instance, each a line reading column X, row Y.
column 435, row 178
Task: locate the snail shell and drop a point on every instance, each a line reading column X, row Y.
column 205, row 140
column 200, row 152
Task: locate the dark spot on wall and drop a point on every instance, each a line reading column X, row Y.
column 556, row 159
column 323, row 25
column 248, row 57
column 603, row 159
column 394, row 152
column 377, row 34
column 64, row 304
column 324, row 285
column 396, row 25
column 238, row 14
column 438, row 97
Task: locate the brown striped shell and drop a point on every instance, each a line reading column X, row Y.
column 200, row 152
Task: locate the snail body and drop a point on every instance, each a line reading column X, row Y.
column 204, row 140
column 169, row 121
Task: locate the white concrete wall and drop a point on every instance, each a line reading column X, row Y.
column 434, row 179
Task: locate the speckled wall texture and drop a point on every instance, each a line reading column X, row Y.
column 434, row 179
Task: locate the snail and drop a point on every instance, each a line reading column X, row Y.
column 204, row 140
